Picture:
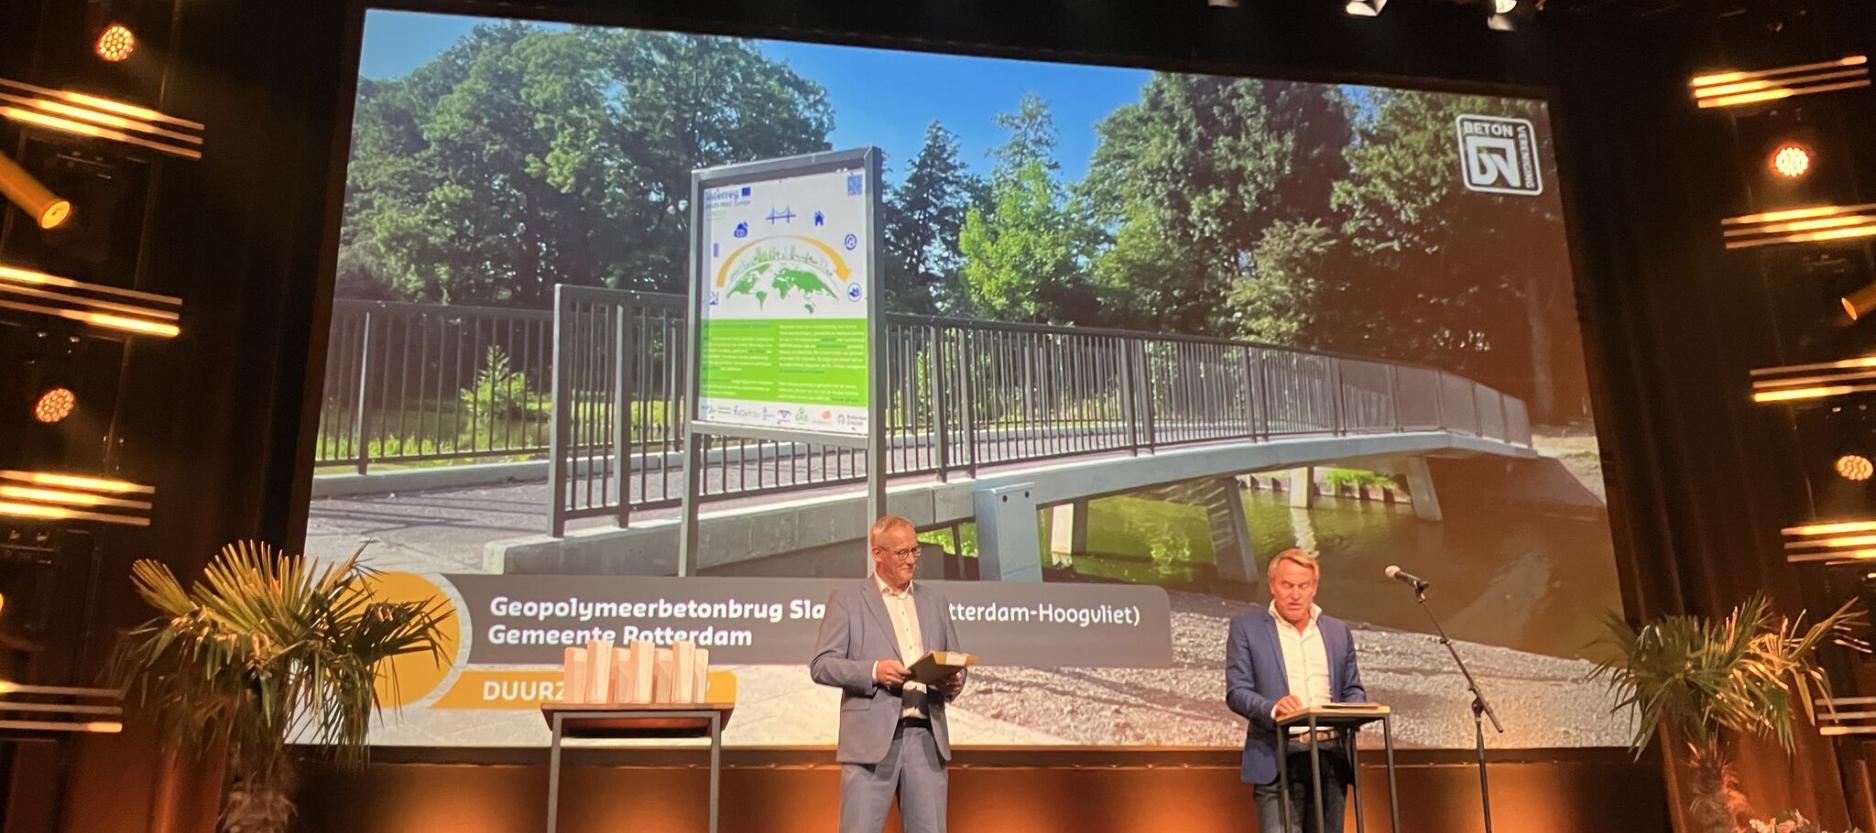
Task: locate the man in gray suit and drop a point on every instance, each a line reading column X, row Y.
column 893, row 737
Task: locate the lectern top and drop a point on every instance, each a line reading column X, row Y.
column 1338, row 715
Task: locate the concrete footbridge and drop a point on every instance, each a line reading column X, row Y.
column 987, row 422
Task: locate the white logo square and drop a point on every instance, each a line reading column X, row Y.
column 1498, row 155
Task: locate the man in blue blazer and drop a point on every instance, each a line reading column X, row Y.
column 894, row 740
column 1279, row 661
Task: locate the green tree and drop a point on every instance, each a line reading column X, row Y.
column 1022, row 250
column 924, row 216
column 1185, row 182
column 522, row 158
column 692, row 102
column 1472, row 281
column 388, row 178
column 1019, row 256
column 1285, row 301
column 1032, row 138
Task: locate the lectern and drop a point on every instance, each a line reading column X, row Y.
column 1344, row 719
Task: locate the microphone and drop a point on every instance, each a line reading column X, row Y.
column 1417, row 583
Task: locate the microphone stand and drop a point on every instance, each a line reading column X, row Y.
column 1480, row 708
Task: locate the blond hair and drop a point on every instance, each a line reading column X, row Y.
column 885, row 524
column 1300, row 558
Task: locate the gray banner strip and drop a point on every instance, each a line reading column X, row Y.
column 515, row 620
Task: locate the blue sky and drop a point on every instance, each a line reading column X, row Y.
column 880, row 97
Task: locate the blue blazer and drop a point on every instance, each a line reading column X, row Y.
column 1255, row 680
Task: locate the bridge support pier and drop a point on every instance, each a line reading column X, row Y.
column 1068, row 528
column 1231, row 532
column 1420, row 485
column 1303, row 487
column 1008, row 538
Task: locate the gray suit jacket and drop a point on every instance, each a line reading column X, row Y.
column 855, row 633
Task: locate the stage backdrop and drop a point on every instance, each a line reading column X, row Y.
column 1364, row 293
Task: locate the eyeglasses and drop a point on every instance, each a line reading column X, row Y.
column 908, row 554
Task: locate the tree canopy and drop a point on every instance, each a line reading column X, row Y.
column 1300, row 214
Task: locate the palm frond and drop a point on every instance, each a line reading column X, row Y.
column 1699, row 678
column 265, row 648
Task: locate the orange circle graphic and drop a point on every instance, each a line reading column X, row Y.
column 412, row 676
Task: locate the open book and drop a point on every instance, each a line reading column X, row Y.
column 935, row 666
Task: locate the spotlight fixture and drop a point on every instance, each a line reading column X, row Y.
column 1841, row 542
column 1854, row 467
column 49, row 711
column 1805, row 382
column 1506, row 15
column 1737, row 89
column 115, row 43
column 1843, row 716
column 1860, row 302
column 82, row 114
column 94, row 305
column 59, row 497
column 1364, row 8
column 1814, row 224
column 1791, row 160
column 46, row 209
column 54, row 405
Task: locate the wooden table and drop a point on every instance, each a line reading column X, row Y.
column 622, row 721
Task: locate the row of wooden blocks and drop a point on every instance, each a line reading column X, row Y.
column 638, row 673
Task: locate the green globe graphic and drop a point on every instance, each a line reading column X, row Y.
column 784, row 276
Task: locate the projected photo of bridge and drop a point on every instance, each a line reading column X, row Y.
column 1199, row 320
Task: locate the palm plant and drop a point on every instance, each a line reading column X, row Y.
column 1704, row 681
column 262, row 651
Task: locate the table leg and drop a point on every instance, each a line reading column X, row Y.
column 1315, row 774
column 1393, row 795
column 1352, row 737
column 716, row 764
column 1283, row 777
column 553, row 779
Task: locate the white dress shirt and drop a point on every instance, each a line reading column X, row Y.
column 904, row 614
column 1305, row 659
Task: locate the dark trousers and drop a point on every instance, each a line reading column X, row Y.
column 1335, row 780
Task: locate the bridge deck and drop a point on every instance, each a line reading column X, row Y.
column 451, row 528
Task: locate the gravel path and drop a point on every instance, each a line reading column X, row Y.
column 1543, row 701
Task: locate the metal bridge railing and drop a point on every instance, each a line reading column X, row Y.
column 963, row 394
column 420, row 383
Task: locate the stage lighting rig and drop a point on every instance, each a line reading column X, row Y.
column 54, row 404
column 1860, row 303
column 1790, row 160
column 115, row 43
column 46, row 209
column 1507, row 15
column 1742, row 88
